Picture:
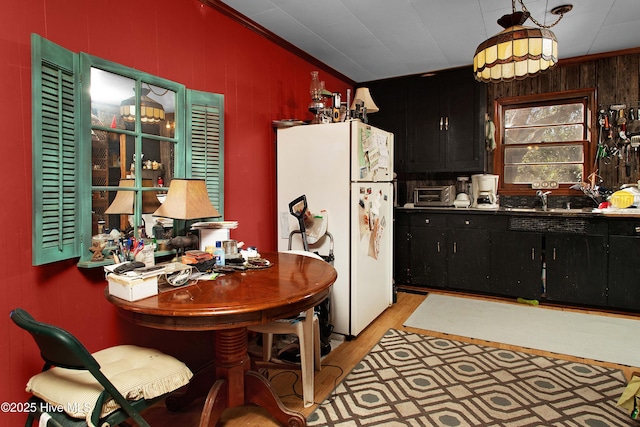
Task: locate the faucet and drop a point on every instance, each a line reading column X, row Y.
column 543, row 197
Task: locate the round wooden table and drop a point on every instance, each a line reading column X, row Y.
column 227, row 305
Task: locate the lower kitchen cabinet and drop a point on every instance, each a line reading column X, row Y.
column 516, row 264
column 428, row 251
column 445, row 251
column 401, row 250
column 588, row 261
column 622, row 275
column 576, row 268
column 428, row 257
column 468, row 261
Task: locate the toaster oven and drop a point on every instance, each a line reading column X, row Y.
column 434, row 195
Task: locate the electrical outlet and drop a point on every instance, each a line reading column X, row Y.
column 544, row 184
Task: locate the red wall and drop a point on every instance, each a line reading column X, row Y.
column 184, row 41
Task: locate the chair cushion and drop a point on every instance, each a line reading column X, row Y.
column 136, row 372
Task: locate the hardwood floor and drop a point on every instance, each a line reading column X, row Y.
column 335, row 366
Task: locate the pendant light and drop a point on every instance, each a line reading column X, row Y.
column 518, row 52
column 151, row 111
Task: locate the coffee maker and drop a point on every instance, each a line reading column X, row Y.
column 484, row 190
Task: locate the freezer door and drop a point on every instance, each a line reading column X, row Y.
column 371, row 153
column 372, row 252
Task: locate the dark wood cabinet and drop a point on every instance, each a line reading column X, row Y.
column 576, row 268
column 391, row 97
column 468, row 249
column 622, row 275
column 425, row 131
column 401, row 250
column 516, row 264
column 585, row 261
column 444, row 251
column 428, row 251
column 438, row 120
column 446, row 123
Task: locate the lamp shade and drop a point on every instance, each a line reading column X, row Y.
column 515, row 53
column 150, row 111
column 123, row 202
column 187, row 199
column 363, row 94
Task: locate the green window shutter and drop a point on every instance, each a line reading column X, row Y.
column 205, row 143
column 55, row 103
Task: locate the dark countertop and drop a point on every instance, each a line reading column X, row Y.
column 582, row 212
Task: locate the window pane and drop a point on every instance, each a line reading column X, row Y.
column 107, row 92
column 544, row 134
column 121, row 217
column 121, row 207
column 544, row 154
column 526, row 174
column 544, row 115
column 113, row 101
column 561, row 163
column 117, row 138
column 157, row 108
column 157, row 161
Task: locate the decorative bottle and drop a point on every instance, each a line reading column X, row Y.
column 218, row 255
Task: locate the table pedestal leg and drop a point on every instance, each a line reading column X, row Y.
column 259, row 391
column 235, row 385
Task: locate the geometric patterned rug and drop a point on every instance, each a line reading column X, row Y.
column 409, row 379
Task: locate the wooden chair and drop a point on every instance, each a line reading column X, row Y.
column 77, row 388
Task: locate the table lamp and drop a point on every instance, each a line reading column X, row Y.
column 124, row 201
column 187, row 199
column 363, row 103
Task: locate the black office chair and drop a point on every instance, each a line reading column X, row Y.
column 73, row 389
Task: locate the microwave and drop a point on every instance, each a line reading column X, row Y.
column 434, row 196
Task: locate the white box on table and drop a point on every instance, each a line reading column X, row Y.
column 132, row 289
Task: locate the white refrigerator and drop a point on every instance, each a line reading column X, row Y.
column 345, row 171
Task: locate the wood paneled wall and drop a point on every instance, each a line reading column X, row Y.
column 616, row 78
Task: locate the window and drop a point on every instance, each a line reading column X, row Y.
column 100, row 128
column 545, row 138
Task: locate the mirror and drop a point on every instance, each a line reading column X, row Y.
column 132, row 135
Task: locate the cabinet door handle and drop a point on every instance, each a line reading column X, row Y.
column 533, row 254
column 426, row 221
column 455, row 247
column 446, row 123
column 438, row 246
column 554, row 254
column 441, row 122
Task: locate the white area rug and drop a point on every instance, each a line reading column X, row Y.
column 603, row 338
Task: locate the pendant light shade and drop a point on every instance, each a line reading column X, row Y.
column 151, row 111
column 517, row 52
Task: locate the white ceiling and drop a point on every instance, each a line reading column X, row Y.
column 375, row 39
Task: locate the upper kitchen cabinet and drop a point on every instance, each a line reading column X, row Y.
column 438, row 120
column 446, row 116
column 391, row 97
